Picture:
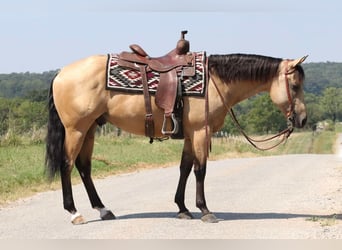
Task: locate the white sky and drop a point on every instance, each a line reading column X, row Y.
column 41, row 35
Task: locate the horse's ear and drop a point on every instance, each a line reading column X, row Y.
column 298, row 61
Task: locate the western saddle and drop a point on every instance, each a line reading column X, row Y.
column 172, row 67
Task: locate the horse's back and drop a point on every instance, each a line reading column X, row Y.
column 85, row 69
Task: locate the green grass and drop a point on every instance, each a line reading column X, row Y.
column 308, row 142
column 325, row 221
column 324, row 143
column 122, row 154
column 22, row 166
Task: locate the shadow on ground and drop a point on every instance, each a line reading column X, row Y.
column 226, row 216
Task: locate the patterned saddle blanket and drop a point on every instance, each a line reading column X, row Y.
column 129, row 80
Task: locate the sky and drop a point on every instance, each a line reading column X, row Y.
column 43, row 35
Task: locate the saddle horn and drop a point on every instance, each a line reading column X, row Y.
column 183, row 46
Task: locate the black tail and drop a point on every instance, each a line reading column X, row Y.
column 55, row 155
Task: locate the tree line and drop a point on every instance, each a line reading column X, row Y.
column 259, row 116
column 23, row 102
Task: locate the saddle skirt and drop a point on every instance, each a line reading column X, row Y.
column 125, row 79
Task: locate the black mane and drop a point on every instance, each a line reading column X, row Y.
column 243, row 67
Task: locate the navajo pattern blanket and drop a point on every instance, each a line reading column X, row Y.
column 129, row 80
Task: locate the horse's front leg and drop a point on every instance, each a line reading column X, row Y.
column 200, row 171
column 185, row 169
column 200, row 167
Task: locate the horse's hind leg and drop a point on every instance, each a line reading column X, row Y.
column 83, row 165
column 72, row 145
column 185, row 169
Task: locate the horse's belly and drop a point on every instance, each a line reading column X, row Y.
column 128, row 113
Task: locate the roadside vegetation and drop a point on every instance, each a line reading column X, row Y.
column 22, row 161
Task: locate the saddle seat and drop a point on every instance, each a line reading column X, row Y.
column 172, row 66
column 177, row 57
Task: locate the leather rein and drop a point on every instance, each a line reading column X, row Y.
column 285, row 133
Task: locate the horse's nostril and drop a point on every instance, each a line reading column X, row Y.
column 303, row 122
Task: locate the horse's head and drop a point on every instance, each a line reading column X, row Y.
column 287, row 91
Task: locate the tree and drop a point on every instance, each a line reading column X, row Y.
column 4, row 111
column 264, row 117
column 20, row 116
column 256, row 115
column 30, row 115
column 331, row 102
column 313, row 109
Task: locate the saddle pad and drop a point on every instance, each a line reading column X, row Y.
column 128, row 80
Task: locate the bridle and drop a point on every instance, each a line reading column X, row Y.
column 290, row 116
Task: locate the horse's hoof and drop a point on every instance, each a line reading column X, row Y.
column 185, row 215
column 108, row 215
column 209, row 218
column 78, row 220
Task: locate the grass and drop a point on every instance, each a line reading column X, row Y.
column 21, row 171
column 22, row 166
column 308, row 142
column 126, row 154
column 325, row 221
column 324, row 143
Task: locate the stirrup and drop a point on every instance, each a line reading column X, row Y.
column 175, row 125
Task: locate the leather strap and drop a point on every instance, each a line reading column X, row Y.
column 285, row 133
column 290, row 110
column 206, row 84
column 149, row 122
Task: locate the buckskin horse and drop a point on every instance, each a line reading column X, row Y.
column 79, row 101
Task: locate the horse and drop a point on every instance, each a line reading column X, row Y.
column 79, row 102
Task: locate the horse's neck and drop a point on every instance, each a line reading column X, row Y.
column 223, row 96
column 236, row 92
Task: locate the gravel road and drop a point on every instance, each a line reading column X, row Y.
column 278, row 197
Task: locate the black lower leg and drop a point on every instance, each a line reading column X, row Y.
column 207, row 216
column 84, row 169
column 185, row 169
column 200, row 197
column 68, row 200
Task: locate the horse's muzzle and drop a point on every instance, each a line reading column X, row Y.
column 302, row 122
column 297, row 121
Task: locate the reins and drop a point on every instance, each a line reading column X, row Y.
column 285, row 133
